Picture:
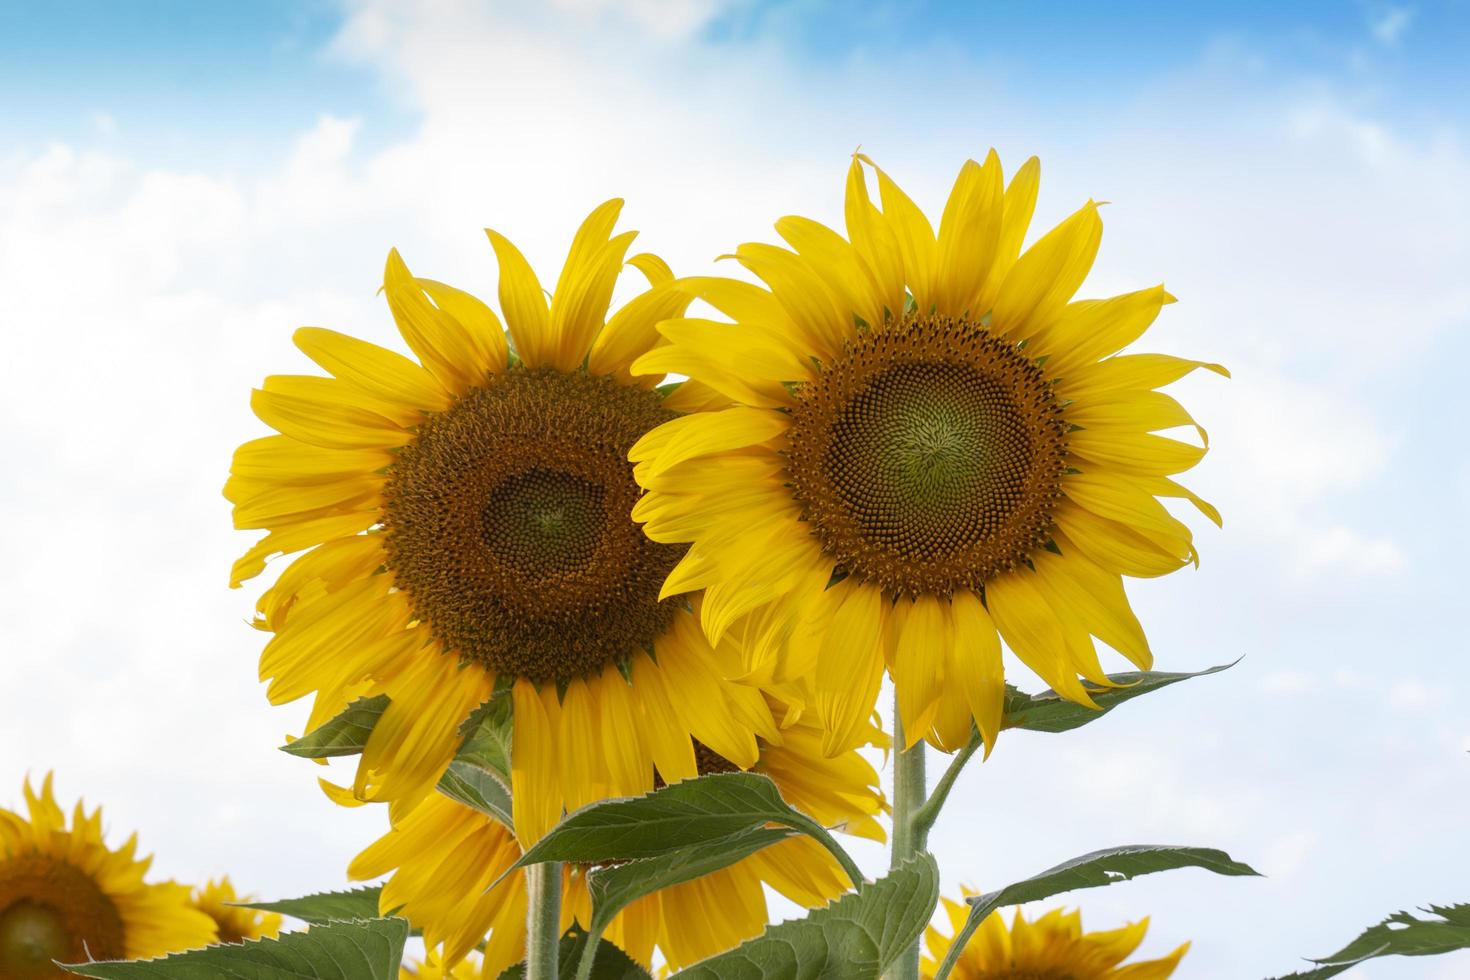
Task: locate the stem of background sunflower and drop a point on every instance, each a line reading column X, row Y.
column 909, row 836
column 543, row 920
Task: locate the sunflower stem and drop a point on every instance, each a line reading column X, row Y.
column 925, row 815
column 543, row 920
column 909, row 835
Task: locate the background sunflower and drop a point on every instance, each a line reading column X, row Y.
column 66, row 896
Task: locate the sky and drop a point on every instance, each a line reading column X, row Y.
column 182, row 185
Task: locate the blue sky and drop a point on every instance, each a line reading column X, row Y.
column 183, row 184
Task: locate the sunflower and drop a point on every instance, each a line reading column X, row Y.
column 1054, row 947
column 66, row 897
column 218, row 900
column 466, row 525
column 431, row 968
column 921, row 446
column 443, row 857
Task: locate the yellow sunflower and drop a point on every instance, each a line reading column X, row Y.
column 466, row 524
column 218, row 900
column 66, row 897
column 923, row 446
column 1054, row 947
column 431, row 968
column 443, row 857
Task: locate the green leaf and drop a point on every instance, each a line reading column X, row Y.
column 1401, row 934
column 370, row 949
column 692, row 813
column 464, row 782
column 1050, row 712
column 345, row 734
column 611, row 963
column 488, row 731
column 616, row 887
column 855, row 938
column 1090, row 871
column 322, row 907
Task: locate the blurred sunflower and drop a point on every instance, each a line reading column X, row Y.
column 430, row 968
column 443, row 857
column 217, row 899
column 467, row 520
column 1054, row 947
column 922, row 446
column 65, row 896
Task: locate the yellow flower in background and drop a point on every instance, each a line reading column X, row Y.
column 66, row 896
column 443, row 857
column 466, row 524
column 1053, row 947
column 217, row 900
column 431, row 968
column 918, row 446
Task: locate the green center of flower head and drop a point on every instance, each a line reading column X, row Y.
column 51, row 911
column 929, row 456
column 31, row 937
column 508, row 524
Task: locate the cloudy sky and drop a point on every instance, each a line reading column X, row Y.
column 181, row 185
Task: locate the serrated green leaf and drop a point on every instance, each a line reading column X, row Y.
column 1050, row 712
column 1401, row 934
column 610, row 963
column 369, row 949
column 355, row 903
column 1093, row 870
column 692, row 813
column 614, row 888
column 345, row 734
column 479, row 789
column 487, row 737
column 855, row 938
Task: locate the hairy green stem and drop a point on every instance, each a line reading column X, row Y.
column 543, row 920
column 925, row 816
column 909, row 836
column 589, row 952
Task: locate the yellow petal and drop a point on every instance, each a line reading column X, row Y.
column 1031, row 629
column 1088, row 330
column 707, row 433
column 480, row 328
column 376, row 370
column 837, row 263
column 536, row 800
column 969, row 232
column 579, row 749
column 579, row 306
column 523, row 302
column 807, row 300
column 874, row 242
column 630, row 767
column 915, row 237
column 979, row 668
column 918, row 668
column 1037, row 288
column 849, row 665
column 1018, row 206
column 441, row 343
column 633, row 330
column 326, row 424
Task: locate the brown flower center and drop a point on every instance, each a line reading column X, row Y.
column 928, row 456
column 508, row 525
column 52, row 911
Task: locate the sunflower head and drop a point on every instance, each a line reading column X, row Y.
column 66, row 897
column 1052, row 947
column 919, row 445
column 218, row 900
column 465, row 518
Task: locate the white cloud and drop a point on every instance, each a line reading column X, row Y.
column 1344, row 550
column 1389, row 25
column 1288, row 682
